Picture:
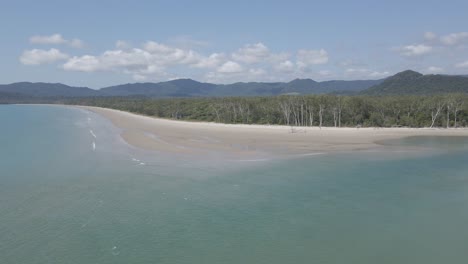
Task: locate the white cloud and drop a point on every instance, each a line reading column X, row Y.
column 84, row 63
column 285, row 66
column 430, row 35
column 325, row 73
column 155, row 61
column 168, row 55
column 212, row 61
column 56, row 39
column 76, row 43
column 252, row 53
column 257, row 72
column 415, row 50
column 120, row 44
column 252, row 74
column 434, row 69
column 230, row 67
column 38, row 56
column 462, row 64
column 365, row 73
column 454, row 38
column 307, row 58
column 377, row 74
column 353, row 70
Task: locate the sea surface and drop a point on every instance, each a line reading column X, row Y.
column 72, row 191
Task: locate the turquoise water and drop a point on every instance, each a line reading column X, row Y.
column 63, row 200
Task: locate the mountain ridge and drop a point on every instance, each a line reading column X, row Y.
column 405, row 82
column 189, row 88
column 415, row 83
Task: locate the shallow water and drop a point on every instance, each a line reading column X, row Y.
column 64, row 201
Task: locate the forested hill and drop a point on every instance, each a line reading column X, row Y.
column 189, row 88
column 415, row 83
column 28, row 89
column 403, row 83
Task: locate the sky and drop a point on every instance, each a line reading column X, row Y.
column 103, row 43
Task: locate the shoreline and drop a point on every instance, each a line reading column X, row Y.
column 252, row 141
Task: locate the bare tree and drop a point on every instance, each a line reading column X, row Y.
column 449, row 105
column 310, row 111
column 340, row 109
column 321, row 109
column 457, row 106
column 436, row 106
column 285, row 107
column 217, row 107
column 335, row 115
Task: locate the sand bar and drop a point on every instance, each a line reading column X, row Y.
column 252, row 140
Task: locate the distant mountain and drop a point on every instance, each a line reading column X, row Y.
column 174, row 88
column 191, row 88
column 411, row 82
column 406, row 82
column 46, row 90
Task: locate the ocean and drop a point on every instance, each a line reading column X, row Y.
column 72, row 191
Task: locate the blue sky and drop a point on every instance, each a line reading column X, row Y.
column 102, row 43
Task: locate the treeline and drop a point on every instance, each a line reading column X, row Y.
column 311, row 110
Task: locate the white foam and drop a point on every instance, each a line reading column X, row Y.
column 142, row 163
column 92, row 133
column 94, row 146
column 115, row 251
column 253, row 160
column 312, row 154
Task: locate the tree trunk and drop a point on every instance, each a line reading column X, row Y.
column 448, row 116
column 320, row 115
column 434, row 115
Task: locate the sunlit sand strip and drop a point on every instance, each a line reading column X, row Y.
column 251, row 142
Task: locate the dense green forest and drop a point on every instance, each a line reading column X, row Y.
column 449, row 110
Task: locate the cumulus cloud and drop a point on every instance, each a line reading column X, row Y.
column 230, row 67
column 365, row 73
column 454, row 38
column 434, row 69
column 76, row 43
column 84, row 63
column 55, row 39
column 415, row 50
column 430, row 35
column 155, row 61
column 324, row 73
column 120, row 44
column 285, row 66
column 462, row 64
column 169, row 55
column 353, row 71
column 152, row 59
column 257, row 72
column 39, row 56
column 252, row 53
column 307, row 58
column 377, row 74
column 212, row 61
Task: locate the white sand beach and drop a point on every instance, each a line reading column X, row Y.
column 251, row 140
